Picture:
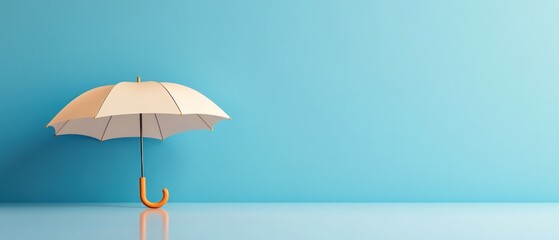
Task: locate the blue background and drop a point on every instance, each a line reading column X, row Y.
column 331, row 100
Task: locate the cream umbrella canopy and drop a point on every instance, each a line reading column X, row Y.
column 138, row 109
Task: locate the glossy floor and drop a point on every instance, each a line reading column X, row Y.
column 280, row 221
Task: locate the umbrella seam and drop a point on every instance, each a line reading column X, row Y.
column 159, row 126
column 204, row 122
column 170, row 95
column 56, row 133
column 107, row 126
column 103, row 103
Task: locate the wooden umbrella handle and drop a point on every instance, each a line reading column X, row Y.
column 145, row 200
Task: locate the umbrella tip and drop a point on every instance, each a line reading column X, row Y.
column 138, row 79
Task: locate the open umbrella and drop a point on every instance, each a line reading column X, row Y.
column 138, row 109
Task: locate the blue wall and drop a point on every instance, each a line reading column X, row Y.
column 331, row 100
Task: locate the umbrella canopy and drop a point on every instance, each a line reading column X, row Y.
column 112, row 111
column 140, row 109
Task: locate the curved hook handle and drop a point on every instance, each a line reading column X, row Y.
column 145, row 200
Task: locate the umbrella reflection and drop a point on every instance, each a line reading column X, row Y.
column 164, row 218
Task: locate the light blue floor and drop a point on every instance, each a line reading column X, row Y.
column 280, row 221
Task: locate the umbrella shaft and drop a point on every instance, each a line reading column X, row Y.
column 142, row 144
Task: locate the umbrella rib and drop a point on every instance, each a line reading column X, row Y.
column 205, row 122
column 171, row 97
column 159, row 126
column 107, row 126
column 56, row 133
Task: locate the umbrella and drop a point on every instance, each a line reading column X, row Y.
column 138, row 109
